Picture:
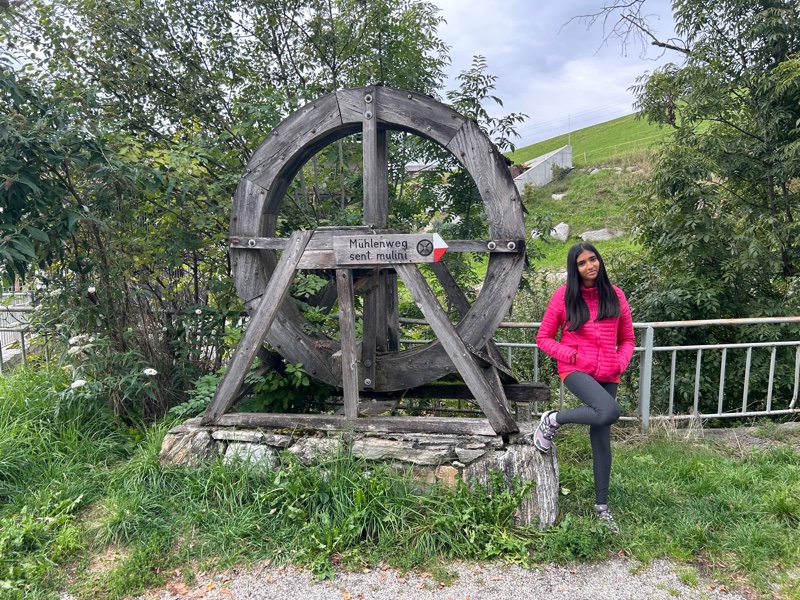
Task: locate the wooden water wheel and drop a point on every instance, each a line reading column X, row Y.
column 377, row 364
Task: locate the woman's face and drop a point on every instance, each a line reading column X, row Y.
column 588, row 268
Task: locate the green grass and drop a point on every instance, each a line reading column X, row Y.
column 78, row 489
column 591, row 201
column 599, row 143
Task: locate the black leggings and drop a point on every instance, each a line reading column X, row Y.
column 600, row 412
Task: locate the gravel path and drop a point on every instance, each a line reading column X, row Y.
column 616, row 579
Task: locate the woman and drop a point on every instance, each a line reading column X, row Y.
column 596, row 346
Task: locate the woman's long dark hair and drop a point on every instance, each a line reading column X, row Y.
column 577, row 310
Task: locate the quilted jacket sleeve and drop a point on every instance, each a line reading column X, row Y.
column 553, row 319
column 625, row 337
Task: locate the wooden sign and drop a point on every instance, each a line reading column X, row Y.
column 355, row 250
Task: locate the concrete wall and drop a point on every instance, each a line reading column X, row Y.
column 540, row 169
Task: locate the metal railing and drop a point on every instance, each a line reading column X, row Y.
column 663, row 370
column 13, row 327
column 665, row 359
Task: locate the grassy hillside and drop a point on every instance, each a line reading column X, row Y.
column 612, row 162
column 599, row 143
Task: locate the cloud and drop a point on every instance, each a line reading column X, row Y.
column 553, row 70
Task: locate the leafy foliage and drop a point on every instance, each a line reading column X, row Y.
column 718, row 220
column 128, row 127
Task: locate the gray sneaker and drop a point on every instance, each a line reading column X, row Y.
column 606, row 518
column 543, row 436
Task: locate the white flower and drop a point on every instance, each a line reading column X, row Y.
column 198, row 312
column 74, row 350
column 78, row 383
column 92, row 289
column 55, row 293
column 150, row 372
column 75, row 340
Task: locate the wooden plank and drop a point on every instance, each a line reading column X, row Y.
column 253, row 337
column 443, row 425
column 347, row 329
column 404, row 111
column 376, row 206
column 376, row 214
column 491, row 246
column 374, row 328
column 420, row 114
column 323, row 240
column 248, row 269
column 498, row 414
column 488, row 169
column 492, row 376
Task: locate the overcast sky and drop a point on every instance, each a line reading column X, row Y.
column 556, row 72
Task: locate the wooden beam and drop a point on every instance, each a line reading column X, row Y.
column 347, row 330
column 322, row 241
column 376, row 215
column 442, row 425
column 253, row 337
column 375, row 162
column 492, row 406
column 392, row 313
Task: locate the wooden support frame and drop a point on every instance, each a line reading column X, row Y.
column 374, row 364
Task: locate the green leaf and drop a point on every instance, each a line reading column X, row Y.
column 72, row 220
column 37, row 234
column 25, row 246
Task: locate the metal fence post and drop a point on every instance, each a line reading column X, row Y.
column 645, row 377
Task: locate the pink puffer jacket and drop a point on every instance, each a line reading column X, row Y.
column 602, row 349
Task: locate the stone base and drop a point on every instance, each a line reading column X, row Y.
column 430, row 457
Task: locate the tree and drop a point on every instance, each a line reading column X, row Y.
column 719, row 218
column 129, row 126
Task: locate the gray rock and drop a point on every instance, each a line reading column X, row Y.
column 467, row 456
column 600, row 235
column 382, row 449
column 560, row 232
column 311, row 450
column 188, row 445
column 238, row 435
column 540, row 506
column 256, row 454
